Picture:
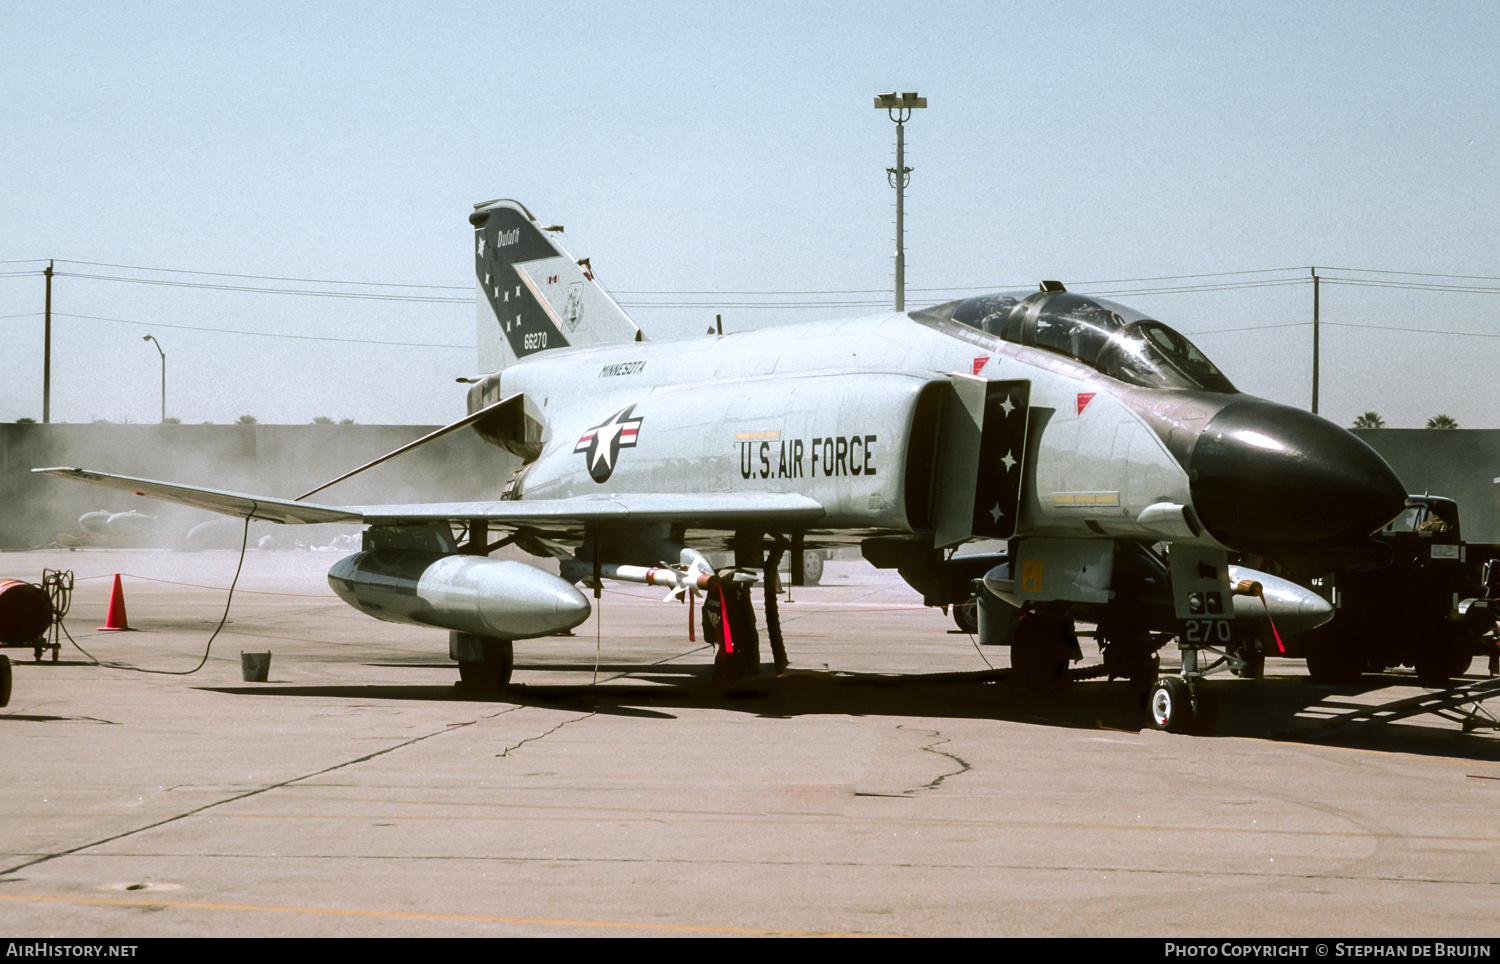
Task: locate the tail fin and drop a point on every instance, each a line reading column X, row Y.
column 533, row 296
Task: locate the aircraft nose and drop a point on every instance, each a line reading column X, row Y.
column 1265, row 473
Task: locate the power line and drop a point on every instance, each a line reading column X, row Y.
column 1421, row 331
column 1414, row 274
column 264, row 334
column 357, row 295
column 1226, row 331
column 1187, row 289
column 261, row 277
column 1411, row 285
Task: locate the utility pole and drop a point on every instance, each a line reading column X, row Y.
column 899, row 107
column 1315, row 342
column 47, row 353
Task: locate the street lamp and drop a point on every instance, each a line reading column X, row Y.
column 152, row 340
column 899, row 107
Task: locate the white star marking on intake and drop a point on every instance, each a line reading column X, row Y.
column 481, row 246
column 1008, row 462
column 995, row 513
column 601, row 444
column 604, row 439
column 1007, row 406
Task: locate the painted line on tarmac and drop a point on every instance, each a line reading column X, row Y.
column 413, row 915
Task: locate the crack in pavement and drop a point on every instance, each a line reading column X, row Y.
column 545, row 734
column 933, row 784
column 242, row 796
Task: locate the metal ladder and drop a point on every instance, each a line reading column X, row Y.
column 1463, row 704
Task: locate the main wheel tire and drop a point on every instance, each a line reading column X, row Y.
column 493, row 672
column 1169, row 706
column 812, row 568
column 966, row 616
column 1128, row 655
column 1445, row 656
column 1335, row 659
column 1039, row 650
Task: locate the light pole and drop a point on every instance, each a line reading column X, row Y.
column 899, row 107
column 152, row 340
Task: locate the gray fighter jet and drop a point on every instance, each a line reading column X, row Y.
column 1125, row 472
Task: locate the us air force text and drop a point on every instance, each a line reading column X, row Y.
column 834, row 456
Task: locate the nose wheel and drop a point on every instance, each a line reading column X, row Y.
column 1170, row 705
column 1177, row 706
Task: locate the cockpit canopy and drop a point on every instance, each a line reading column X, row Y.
column 1116, row 340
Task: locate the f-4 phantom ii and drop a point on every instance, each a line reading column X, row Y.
column 1125, row 472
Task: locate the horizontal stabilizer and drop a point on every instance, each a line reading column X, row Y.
column 229, row 503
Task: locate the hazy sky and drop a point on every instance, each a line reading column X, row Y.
column 693, row 150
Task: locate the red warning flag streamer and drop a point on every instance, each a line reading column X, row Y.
column 692, row 598
column 1249, row 587
column 1280, row 647
column 724, row 621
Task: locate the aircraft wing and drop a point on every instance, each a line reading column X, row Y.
column 704, row 510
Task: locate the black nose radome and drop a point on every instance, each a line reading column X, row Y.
column 1263, row 473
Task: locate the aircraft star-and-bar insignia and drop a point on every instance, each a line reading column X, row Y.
column 602, row 443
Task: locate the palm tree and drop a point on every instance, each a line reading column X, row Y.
column 1441, row 421
column 1369, row 420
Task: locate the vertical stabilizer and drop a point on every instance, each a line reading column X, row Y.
column 533, row 295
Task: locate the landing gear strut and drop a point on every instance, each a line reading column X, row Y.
column 1186, row 704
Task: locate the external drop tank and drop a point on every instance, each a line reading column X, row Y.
column 494, row 598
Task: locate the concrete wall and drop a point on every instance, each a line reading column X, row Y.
column 1461, row 464
column 275, row 460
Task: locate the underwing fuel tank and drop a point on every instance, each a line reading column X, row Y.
column 495, row 598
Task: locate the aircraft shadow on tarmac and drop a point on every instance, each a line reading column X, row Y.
column 1269, row 708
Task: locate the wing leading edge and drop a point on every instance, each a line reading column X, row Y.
column 708, row 511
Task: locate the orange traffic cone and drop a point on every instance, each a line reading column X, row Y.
column 116, row 621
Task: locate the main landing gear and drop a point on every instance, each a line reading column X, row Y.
column 484, row 663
